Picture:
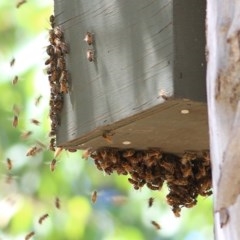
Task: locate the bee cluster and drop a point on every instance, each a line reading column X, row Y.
column 57, row 76
column 186, row 177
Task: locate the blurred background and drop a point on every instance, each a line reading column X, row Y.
column 29, row 189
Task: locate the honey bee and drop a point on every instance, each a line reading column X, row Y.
column 107, row 135
column 52, row 144
column 29, row 235
column 57, row 203
column 94, row 196
column 90, row 55
column 150, row 201
column 52, row 20
column 86, row 153
column 20, row 3
column 42, row 218
column 128, row 153
column 149, row 185
column 15, row 80
column 188, row 156
column 156, row 225
column 35, row 121
column 63, row 86
column 9, row 164
column 176, row 211
column 25, row 135
column 58, row 33
column 53, row 165
column 89, row 39
column 15, row 121
column 32, row 151
column 12, row 62
column 38, row 99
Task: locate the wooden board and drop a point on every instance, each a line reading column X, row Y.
column 145, row 52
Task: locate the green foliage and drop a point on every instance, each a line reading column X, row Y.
column 29, row 190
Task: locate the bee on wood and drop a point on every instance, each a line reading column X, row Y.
column 53, row 165
column 156, row 225
column 9, row 164
column 188, row 156
column 42, row 218
column 149, row 185
column 150, row 201
column 38, row 99
column 128, row 153
column 63, row 86
column 15, row 80
column 29, row 235
column 12, row 62
column 107, row 135
column 86, row 153
column 90, row 55
column 89, row 39
column 20, row 3
column 94, row 196
column 15, row 121
column 57, row 203
column 35, row 121
column 52, row 20
column 52, row 144
column 26, row 135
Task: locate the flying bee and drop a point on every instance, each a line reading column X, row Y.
column 38, row 99
column 32, row 151
column 90, row 55
column 15, row 80
column 29, row 235
column 57, row 203
column 150, row 201
column 15, row 121
column 89, row 39
column 12, row 62
column 20, row 3
column 42, row 218
column 25, row 135
column 35, row 121
column 53, row 165
column 94, row 196
column 156, row 225
column 9, row 164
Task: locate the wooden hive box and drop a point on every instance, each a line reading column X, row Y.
column 147, row 83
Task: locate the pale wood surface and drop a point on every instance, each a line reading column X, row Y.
column 223, row 82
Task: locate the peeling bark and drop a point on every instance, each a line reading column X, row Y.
column 223, row 84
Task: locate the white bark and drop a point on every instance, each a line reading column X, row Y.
column 223, row 82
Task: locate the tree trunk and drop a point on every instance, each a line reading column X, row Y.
column 223, row 83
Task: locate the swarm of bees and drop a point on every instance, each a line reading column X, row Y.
column 58, row 76
column 186, row 177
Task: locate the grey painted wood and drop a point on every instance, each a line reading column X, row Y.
column 137, row 53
